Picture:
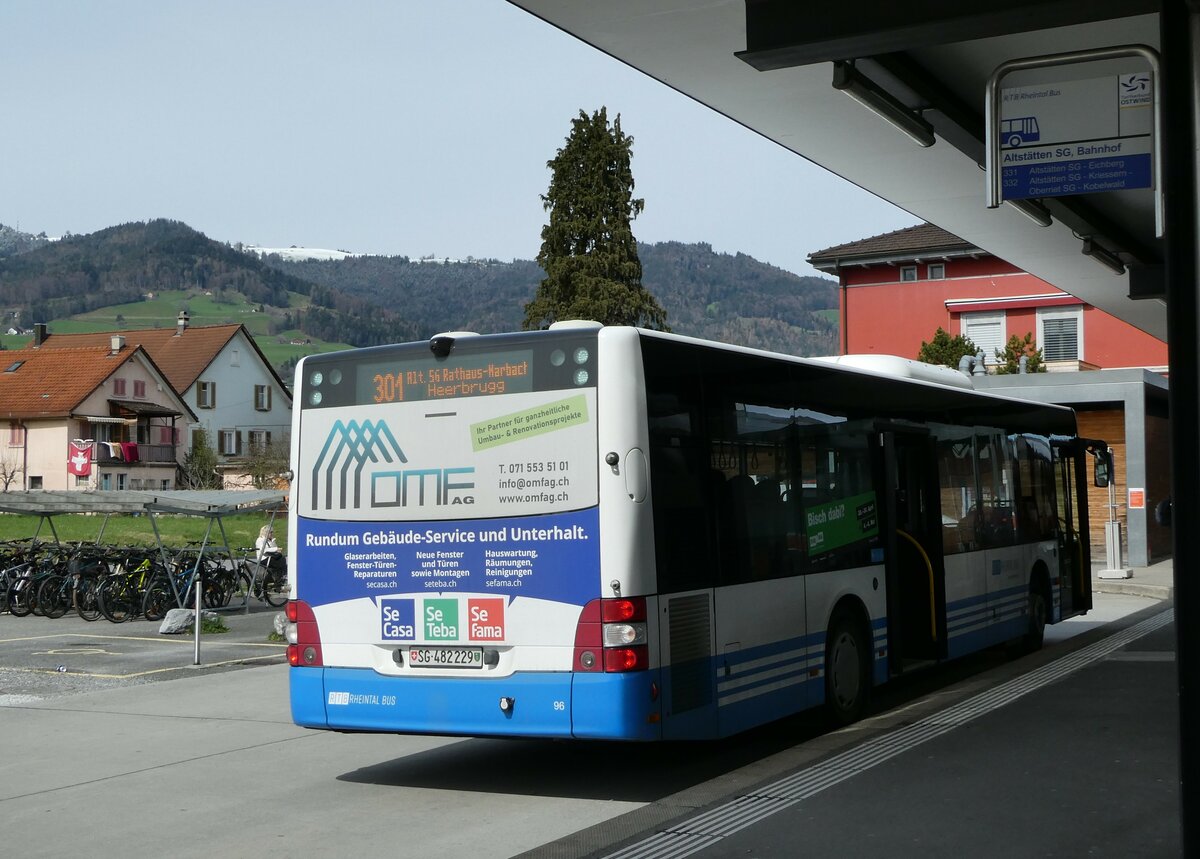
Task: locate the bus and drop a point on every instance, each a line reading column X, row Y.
column 602, row 532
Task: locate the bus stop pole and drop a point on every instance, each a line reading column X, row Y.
column 1180, row 38
column 199, row 589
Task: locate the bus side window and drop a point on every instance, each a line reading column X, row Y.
column 956, row 479
column 681, row 509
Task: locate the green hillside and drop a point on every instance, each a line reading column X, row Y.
column 142, row 275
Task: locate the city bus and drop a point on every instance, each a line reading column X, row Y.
column 604, row 532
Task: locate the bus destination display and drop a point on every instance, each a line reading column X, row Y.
column 430, row 379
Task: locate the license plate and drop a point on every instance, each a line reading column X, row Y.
column 445, row 657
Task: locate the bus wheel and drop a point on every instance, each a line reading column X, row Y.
column 1039, row 610
column 847, row 669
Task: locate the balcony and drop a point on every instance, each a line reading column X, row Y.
column 114, row 452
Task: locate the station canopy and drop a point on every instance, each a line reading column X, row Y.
column 193, row 502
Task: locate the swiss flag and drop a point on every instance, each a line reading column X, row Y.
column 79, row 457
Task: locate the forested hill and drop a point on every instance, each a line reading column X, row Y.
column 733, row 298
column 367, row 300
column 42, row 281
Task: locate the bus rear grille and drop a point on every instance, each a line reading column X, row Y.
column 691, row 681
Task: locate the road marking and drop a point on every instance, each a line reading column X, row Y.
column 74, row 651
column 697, row 833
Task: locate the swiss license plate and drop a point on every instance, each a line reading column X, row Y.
column 445, row 657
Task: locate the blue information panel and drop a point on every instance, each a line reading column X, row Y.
column 1077, row 137
column 1055, row 178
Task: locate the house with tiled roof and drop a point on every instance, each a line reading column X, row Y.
column 90, row 417
column 238, row 399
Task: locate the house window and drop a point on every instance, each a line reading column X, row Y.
column 122, row 481
column 234, row 358
column 908, row 273
column 35, row 481
column 166, row 484
column 260, row 440
column 106, row 482
column 16, row 433
column 231, row 442
column 206, row 395
column 986, row 331
column 262, row 398
column 82, row 481
column 139, row 389
column 937, row 271
column 1060, row 333
column 118, row 387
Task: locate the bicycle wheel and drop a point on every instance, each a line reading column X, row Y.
column 218, row 587
column 159, row 599
column 53, row 594
column 275, row 588
column 115, row 597
column 86, row 598
column 20, row 596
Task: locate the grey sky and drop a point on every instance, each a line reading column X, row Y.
column 393, row 127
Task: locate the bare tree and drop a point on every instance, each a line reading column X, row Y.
column 268, row 463
column 9, row 472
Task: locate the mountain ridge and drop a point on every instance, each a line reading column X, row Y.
column 366, row 300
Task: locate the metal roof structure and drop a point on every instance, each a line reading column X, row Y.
column 209, row 503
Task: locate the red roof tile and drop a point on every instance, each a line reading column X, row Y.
column 52, row 383
column 921, row 240
column 180, row 357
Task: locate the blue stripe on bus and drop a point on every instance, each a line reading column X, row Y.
column 986, row 620
column 610, row 706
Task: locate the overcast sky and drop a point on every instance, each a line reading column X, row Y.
column 410, row 127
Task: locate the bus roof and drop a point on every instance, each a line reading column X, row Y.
column 865, row 391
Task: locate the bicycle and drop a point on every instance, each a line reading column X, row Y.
column 266, row 579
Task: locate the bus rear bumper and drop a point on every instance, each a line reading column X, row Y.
column 522, row 705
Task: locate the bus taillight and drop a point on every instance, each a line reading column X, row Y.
column 617, row 659
column 623, row 609
column 304, row 639
column 611, row 636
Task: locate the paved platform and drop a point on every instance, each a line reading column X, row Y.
column 1072, row 751
column 1156, row 581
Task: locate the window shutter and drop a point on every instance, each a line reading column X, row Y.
column 986, row 331
column 1060, row 339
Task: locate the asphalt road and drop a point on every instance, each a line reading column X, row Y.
column 131, row 750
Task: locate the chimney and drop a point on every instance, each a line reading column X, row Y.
column 118, row 343
column 181, row 323
column 39, row 334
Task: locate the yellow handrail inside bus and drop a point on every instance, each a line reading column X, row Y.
column 929, row 568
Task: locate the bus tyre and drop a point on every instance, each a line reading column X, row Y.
column 847, row 669
column 1039, row 610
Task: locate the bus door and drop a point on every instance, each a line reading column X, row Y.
column 1074, row 563
column 916, row 595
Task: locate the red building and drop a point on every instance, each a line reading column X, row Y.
column 897, row 289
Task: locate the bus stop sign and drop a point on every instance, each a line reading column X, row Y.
column 1077, row 137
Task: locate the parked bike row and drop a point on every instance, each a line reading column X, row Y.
column 124, row 583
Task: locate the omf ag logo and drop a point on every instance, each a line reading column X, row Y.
column 353, row 448
column 348, row 448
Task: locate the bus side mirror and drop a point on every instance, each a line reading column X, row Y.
column 1103, row 468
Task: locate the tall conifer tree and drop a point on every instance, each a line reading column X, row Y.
column 588, row 250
